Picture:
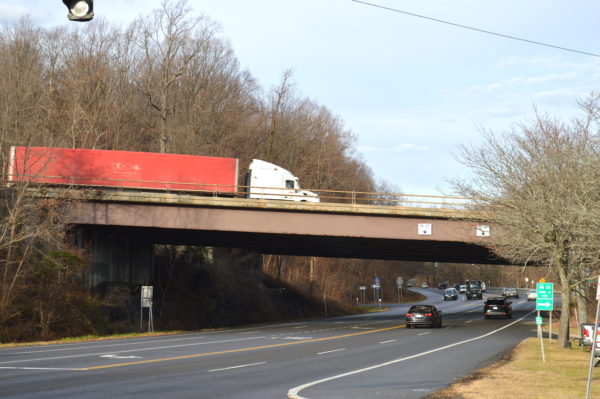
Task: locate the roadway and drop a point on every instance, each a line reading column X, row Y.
column 347, row 357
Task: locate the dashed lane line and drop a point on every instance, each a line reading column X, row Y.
column 39, row 368
column 294, row 393
column 198, row 355
column 236, row 367
column 331, row 351
column 129, row 350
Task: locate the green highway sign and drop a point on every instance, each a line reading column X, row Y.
column 545, row 296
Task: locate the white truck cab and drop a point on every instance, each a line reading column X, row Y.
column 268, row 181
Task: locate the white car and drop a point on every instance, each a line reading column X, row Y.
column 482, row 286
column 424, row 285
column 462, row 289
column 531, row 295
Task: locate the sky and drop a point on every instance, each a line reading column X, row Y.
column 411, row 89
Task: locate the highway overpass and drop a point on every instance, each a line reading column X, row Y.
column 341, row 230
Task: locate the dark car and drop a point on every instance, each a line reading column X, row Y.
column 442, row 286
column 423, row 315
column 510, row 292
column 498, row 306
column 450, row 294
column 473, row 290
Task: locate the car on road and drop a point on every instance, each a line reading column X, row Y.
column 442, row 286
column 497, row 306
column 423, row 315
column 462, row 289
column 450, row 294
column 424, row 285
column 483, row 286
column 510, row 292
column 531, row 295
column 474, row 290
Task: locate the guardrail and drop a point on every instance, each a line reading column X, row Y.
column 203, row 189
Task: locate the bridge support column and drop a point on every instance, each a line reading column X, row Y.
column 116, row 257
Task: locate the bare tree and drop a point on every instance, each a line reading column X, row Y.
column 168, row 47
column 540, row 184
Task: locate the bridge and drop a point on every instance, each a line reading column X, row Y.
column 341, row 230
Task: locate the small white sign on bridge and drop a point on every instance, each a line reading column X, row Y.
column 482, row 231
column 425, row 229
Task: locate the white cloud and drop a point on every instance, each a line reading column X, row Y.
column 409, row 148
column 551, row 77
column 562, row 94
column 529, row 61
column 482, row 89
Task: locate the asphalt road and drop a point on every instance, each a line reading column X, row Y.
column 365, row 356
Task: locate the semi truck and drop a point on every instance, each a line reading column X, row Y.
column 153, row 171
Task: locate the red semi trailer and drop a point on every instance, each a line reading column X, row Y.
column 152, row 171
column 128, row 169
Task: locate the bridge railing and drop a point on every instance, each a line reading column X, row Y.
column 201, row 189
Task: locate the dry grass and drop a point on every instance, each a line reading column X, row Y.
column 90, row 338
column 522, row 374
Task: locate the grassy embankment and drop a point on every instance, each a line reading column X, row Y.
column 521, row 373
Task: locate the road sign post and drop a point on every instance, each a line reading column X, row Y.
column 146, row 302
column 544, row 301
column 362, row 289
column 399, row 283
column 545, row 296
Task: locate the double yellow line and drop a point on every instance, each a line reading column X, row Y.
column 166, row 359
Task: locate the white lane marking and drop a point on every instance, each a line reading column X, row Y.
column 131, row 350
column 144, row 340
column 468, row 321
column 301, row 326
column 108, row 344
column 424, row 333
column 39, row 368
column 236, row 367
column 294, row 393
column 386, row 342
column 337, row 322
column 117, row 356
column 335, row 350
column 361, row 328
column 250, row 332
